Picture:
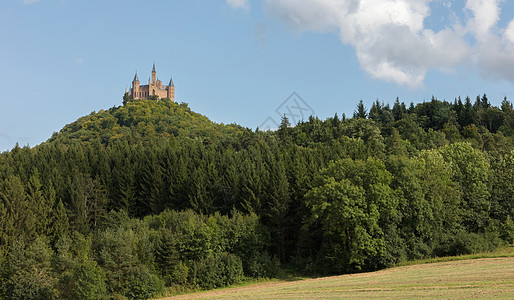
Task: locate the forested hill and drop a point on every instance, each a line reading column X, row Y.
column 147, row 196
column 143, row 121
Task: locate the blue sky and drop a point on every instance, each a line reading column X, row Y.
column 237, row 61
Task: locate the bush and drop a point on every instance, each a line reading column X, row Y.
column 180, row 273
column 216, row 271
column 142, row 284
column 86, row 281
column 26, row 273
column 263, row 266
column 507, row 231
column 466, row 243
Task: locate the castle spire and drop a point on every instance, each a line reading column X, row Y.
column 135, row 77
column 154, row 74
column 171, row 82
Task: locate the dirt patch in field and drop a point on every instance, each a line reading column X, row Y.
column 482, row 278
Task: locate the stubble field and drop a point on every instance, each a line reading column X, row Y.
column 474, row 278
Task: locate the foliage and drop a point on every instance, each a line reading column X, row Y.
column 126, row 200
column 144, row 120
column 26, row 272
column 141, row 284
column 348, row 202
column 216, row 271
column 84, row 281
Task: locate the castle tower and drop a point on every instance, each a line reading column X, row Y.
column 171, row 90
column 154, row 74
column 135, row 87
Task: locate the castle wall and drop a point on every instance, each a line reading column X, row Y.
column 145, row 92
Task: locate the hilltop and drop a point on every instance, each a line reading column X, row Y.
column 143, row 121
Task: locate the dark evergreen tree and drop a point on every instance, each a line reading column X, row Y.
column 360, row 111
column 399, row 109
column 284, row 130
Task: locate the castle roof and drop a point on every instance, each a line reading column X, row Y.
column 171, row 82
column 146, row 86
column 135, row 77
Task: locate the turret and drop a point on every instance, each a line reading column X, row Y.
column 135, row 87
column 154, row 74
column 171, row 90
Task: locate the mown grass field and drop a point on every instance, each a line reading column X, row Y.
column 456, row 278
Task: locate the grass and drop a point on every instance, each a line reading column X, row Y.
column 484, row 275
column 283, row 276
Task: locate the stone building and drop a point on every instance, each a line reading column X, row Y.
column 153, row 88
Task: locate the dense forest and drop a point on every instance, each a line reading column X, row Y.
column 126, row 202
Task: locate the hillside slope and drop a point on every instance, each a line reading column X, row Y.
column 144, row 120
column 482, row 278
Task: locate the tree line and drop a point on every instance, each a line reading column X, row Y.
column 128, row 201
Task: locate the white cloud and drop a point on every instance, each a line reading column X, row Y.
column 392, row 43
column 494, row 52
column 239, row 4
column 320, row 16
column 496, row 61
column 389, row 38
column 29, row 1
column 486, row 15
column 509, row 32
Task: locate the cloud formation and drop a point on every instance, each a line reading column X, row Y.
column 392, row 42
column 495, row 46
column 239, row 4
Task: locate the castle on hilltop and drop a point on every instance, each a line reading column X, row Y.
column 154, row 88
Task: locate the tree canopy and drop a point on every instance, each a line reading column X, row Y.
column 128, row 201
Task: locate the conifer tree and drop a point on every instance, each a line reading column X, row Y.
column 60, row 222
column 360, row 111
